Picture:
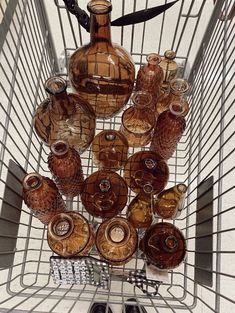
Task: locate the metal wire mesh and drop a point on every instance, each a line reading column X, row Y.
column 28, row 57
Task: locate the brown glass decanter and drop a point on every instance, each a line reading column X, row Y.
column 169, row 67
column 102, row 72
column 41, row 195
column 177, row 90
column 169, row 129
column 104, row 194
column 144, row 169
column 110, row 149
column 150, row 76
column 140, row 209
column 116, row 240
column 170, row 202
column 138, row 121
column 70, row 234
column 65, row 165
column 64, row 116
column 164, row 246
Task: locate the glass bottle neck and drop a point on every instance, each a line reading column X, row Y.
column 100, row 28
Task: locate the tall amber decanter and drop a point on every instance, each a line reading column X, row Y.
column 169, row 67
column 104, row 194
column 138, row 121
column 169, row 129
column 102, row 72
column 170, row 202
column 150, row 76
column 177, row 90
column 164, row 246
column 110, row 149
column 70, row 234
column 64, row 116
column 65, row 165
column 41, row 195
column 140, row 209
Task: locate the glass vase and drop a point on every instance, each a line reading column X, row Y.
column 169, row 68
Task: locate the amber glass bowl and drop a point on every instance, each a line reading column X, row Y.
column 116, row 240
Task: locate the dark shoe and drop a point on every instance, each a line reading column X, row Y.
column 134, row 308
column 98, row 307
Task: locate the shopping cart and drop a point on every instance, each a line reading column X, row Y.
column 36, row 40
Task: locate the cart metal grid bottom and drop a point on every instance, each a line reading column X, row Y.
column 204, row 159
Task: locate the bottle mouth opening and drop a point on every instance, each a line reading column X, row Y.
column 153, row 58
column 117, row 234
column 148, row 188
column 110, row 136
column 141, row 98
column 99, row 7
column 171, row 243
column 59, row 147
column 61, row 226
column 150, row 163
column 32, row 181
column 179, row 85
column 170, row 54
column 177, row 108
column 182, row 188
column 55, row 85
column 104, row 185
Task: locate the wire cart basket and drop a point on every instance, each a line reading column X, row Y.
column 36, row 40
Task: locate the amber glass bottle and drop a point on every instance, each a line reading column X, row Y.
column 169, row 67
column 116, row 240
column 169, row 129
column 164, row 246
column 64, row 116
column 140, row 209
column 138, row 121
column 144, row 169
column 110, row 149
column 103, row 73
column 170, row 202
column 178, row 88
column 41, row 195
column 150, row 76
column 70, row 234
column 65, row 165
column 104, row 194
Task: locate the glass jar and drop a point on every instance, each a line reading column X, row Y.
column 116, row 240
column 65, row 165
column 164, row 246
column 110, row 150
column 70, row 234
column 138, row 121
column 169, row 67
column 170, row 202
column 102, row 72
column 169, row 129
column 41, row 195
column 104, row 194
column 64, row 116
column 144, row 169
column 177, row 91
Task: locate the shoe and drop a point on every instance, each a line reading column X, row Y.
column 99, row 307
column 134, row 308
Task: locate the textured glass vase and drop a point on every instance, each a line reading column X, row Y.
column 169, row 67
column 170, row 202
column 176, row 92
column 64, row 116
column 110, row 149
column 102, row 72
column 104, row 194
column 169, row 129
column 116, row 240
column 41, row 195
column 138, row 121
column 149, row 77
column 144, row 170
column 65, row 165
column 164, row 246
column 70, row 234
